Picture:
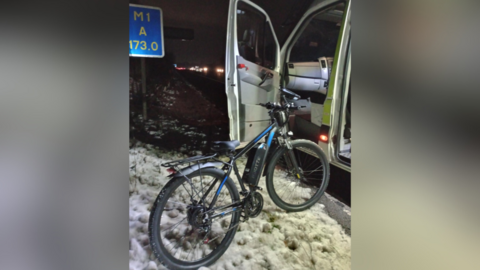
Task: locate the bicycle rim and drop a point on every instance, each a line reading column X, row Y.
column 182, row 242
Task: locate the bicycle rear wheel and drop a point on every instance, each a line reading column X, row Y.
column 297, row 193
column 181, row 234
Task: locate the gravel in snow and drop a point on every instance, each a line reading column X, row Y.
column 273, row 240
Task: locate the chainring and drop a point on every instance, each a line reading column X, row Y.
column 254, row 204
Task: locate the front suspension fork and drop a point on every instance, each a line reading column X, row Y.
column 292, row 161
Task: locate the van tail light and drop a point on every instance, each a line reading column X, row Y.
column 324, row 131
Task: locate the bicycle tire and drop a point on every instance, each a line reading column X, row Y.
column 157, row 213
column 276, row 185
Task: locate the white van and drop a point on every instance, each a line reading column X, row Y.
column 314, row 62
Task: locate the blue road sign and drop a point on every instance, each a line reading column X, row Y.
column 146, row 31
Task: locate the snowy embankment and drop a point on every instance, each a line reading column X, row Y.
column 273, row 240
column 180, row 116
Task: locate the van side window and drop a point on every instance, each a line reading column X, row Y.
column 255, row 40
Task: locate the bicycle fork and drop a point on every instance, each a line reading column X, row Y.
column 292, row 161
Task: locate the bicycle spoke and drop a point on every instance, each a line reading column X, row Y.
column 176, row 242
column 312, row 161
column 286, row 186
column 177, row 203
column 203, row 190
column 304, row 160
column 176, row 224
column 191, row 196
column 176, row 250
column 314, row 170
column 293, row 192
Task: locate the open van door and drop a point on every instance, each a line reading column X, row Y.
column 251, row 69
column 316, row 63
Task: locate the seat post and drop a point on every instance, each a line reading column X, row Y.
column 230, row 155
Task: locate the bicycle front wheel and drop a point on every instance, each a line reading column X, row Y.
column 296, row 192
column 182, row 233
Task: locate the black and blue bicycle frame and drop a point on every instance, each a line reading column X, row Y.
column 268, row 132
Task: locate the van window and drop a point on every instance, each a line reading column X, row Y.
column 319, row 38
column 255, row 39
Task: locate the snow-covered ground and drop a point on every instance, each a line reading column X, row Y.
column 273, row 240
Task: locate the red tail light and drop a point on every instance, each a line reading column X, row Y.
column 171, row 170
column 324, row 138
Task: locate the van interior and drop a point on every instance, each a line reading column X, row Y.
column 307, row 72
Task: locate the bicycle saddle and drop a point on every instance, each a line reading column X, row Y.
column 224, row 146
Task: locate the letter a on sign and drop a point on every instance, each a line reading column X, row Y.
column 142, row 32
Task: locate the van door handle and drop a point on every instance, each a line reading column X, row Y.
column 267, row 75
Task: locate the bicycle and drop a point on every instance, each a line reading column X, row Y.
column 193, row 220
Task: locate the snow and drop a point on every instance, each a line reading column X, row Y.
column 273, row 240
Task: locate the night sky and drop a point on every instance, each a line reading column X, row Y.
column 208, row 19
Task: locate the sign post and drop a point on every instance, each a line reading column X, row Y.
column 146, row 39
column 144, row 89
